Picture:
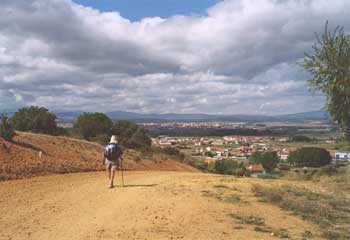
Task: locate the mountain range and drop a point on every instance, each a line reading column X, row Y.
column 70, row 116
column 138, row 117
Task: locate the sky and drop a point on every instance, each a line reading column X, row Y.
column 135, row 10
column 162, row 56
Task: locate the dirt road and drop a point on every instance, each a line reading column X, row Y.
column 153, row 205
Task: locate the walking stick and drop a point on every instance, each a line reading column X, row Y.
column 121, row 166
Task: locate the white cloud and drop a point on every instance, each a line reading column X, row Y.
column 239, row 58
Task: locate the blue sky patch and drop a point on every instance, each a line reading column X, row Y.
column 137, row 9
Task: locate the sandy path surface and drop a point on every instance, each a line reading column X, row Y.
column 153, row 205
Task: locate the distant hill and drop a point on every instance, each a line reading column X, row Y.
column 138, row 117
column 316, row 116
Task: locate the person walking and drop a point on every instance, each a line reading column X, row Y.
column 112, row 158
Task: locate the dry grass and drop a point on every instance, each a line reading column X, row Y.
column 330, row 211
column 222, row 195
column 260, row 226
column 221, row 186
column 251, row 220
column 21, row 158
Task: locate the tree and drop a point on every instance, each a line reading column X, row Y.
column 35, row 119
column 173, row 152
column 309, row 157
column 124, row 130
column 212, row 167
column 269, row 160
column 91, row 125
column 228, row 167
column 301, row 138
column 221, row 167
column 102, row 139
column 7, row 131
column 329, row 65
column 131, row 135
column 140, row 139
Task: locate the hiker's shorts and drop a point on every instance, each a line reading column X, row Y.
column 112, row 165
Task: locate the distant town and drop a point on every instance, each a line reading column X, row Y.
column 240, row 148
column 215, row 124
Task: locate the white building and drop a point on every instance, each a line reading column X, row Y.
column 342, row 157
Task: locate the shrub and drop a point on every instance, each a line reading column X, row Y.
column 284, row 166
column 310, row 157
column 268, row 159
column 239, row 171
column 131, row 135
column 91, row 125
column 124, row 130
column 102, row 139
column 173, row 152
column 301, row 138
column 227, row 167
column 6, row 129
column 35, row 119
column 268, row 175
column 211, row 167
column 62, row 131
column 140, row 140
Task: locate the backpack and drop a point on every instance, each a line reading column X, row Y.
column 112, row 152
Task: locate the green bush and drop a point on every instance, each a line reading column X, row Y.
column 239, row 171
column 131, row 135
column 124, row 130
column 140, row 140
column 91, row 125
column 102, row 139
column 201, row 166
column 35, row 119
column 211, row 167
column 310, row 157
column 301, row 138
column 173, row 152
column 268, row 176
column 61, row 131
column 7, row 131
column 269, row 160
column 284, row 166
column 228, row 167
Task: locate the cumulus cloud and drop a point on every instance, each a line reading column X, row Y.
column 238, row 58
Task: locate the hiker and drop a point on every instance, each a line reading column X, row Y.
column 112, row 158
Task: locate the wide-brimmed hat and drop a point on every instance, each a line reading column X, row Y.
column 114, row 139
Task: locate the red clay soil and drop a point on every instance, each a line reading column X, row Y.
column 21, row 158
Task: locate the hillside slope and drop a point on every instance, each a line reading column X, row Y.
column 153, row 205
column 20, row 159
